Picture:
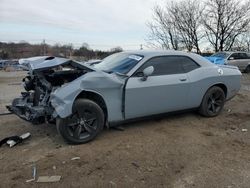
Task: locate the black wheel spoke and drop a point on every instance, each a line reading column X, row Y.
column 209, row 105
column 77, row 131
column 210, row 98
column 90, row 129
column 90, row 121
column 73, row 120
column 218, row 103
column 213, row 107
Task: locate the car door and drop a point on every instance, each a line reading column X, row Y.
column 243, row 61
column 236, row 59
column 165, row 90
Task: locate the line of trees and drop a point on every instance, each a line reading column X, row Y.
column 187, row 24
column 24, row 49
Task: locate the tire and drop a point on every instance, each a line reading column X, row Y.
column 85, row 123
column 212, row 102
column 247, row 70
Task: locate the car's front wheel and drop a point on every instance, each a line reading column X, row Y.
column 212, row 102
column 86, row 121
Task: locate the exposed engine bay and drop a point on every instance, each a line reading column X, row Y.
column 34, row 104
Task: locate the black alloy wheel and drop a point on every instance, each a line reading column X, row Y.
column 84, row 124
column 213, row 102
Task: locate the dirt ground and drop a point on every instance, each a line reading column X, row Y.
column 182, row 150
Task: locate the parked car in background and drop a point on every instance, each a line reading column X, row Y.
column 5, row 63
column 239, row 59
column 82, row 99
column 10, row 64
column 217, row 58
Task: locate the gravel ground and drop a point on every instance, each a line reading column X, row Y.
column 182, row 150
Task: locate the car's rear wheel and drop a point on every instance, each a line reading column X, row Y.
column 86, row 121
column 212, row 102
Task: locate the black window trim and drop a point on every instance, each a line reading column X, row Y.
column 134, row 74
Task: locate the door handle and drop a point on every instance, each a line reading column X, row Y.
column 183, row 79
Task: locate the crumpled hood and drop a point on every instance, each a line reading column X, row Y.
column 45, row 62
column 216, row 60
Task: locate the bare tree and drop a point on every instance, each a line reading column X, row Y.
column 186, row 17
column 177, row 25
column 224, row 21
column 242, row 43
column 162, row 30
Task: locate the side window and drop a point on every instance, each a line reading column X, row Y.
column 163, row 66
column 243, row 55
column 188, row 64
column 235, row 56
column 169, row 65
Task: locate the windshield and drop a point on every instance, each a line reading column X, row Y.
column 223, row 55
column 120, row 63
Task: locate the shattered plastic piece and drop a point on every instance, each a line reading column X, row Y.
column 30, row 180
column 48, row 179
column 14, row 140
column 19, row 140
column 4, row 141
column 244, row 130
column 33, row 174
column 75, row 158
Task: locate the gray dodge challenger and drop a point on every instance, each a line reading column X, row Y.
column 81, row 98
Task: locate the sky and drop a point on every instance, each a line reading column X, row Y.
column 103, row 24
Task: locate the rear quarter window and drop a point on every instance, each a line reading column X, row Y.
column 188, row 64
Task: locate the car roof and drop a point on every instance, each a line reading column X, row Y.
column 153, row 53
column 156, row 52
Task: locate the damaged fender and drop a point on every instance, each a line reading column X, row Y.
column 108, row 86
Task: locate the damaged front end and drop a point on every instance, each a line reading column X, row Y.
column 24, row 107
column 33, row 105
column 45, row 76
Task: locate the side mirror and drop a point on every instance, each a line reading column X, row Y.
column 231, row 58
column 147, row 72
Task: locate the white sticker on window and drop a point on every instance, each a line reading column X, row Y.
column 135, row 57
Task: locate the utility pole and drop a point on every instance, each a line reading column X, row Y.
column 141, row 48
column 44, row 47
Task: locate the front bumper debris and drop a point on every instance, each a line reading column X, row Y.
column 25, row 109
